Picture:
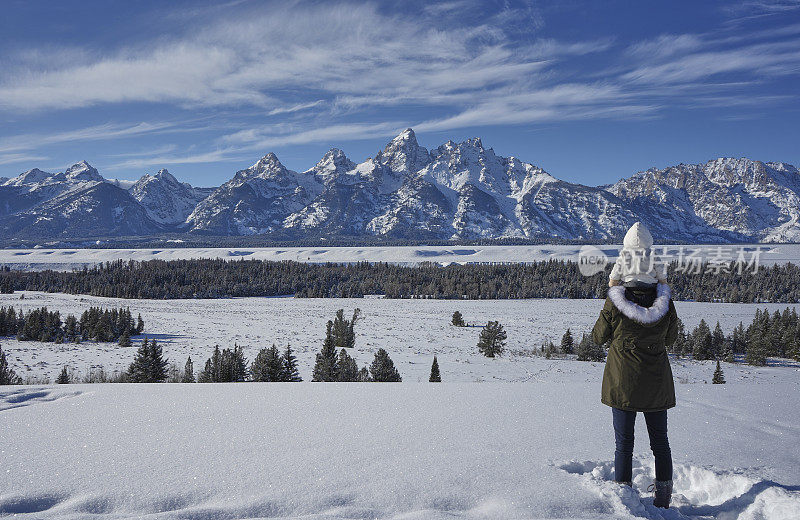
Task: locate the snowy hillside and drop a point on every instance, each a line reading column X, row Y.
column 540, row 449
column 455, row 191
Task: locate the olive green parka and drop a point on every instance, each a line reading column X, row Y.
column 637, row 375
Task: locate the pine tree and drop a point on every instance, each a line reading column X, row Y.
column 567, row 343
column 188, row 371
column 149, row 365
column 157, row 364
column 343, row 330
column 71, row 329
column 325, row 365
column 702, row 342
column 435, row 376
column 347, row 369
column 211, row 370
column 757, row 349
column 290, row 372
column 125, row 339
column 458, row 319
column 492, row 339
column 382, row 368
column 363, row 375
column 267, row 365
column 728, row 356
column 588, row 350
column 63, row 377
column 138, row 371
column 139, row 324
column 717, row 341
column 719, row 377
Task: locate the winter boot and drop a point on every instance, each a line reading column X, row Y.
column 624, row 483
column 663, row 492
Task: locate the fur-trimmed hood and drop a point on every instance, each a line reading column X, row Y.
column 644, row 315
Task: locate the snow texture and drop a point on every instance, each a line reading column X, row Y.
column 396, row 451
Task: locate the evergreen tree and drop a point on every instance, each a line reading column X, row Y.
column 492, row 339
column 549, row 350
column 7, row 374
column 158, row 364
column 211, row 370
column 347, row 369
column 727, row 355
column 125, row 340
column 325, row 366
column 290, row 372
column 71, row 332
column 63, row 377
column 188, row 371
column 267, row 365
column 435, row 376
column 757, row 350
column 149, row 365
column 139, row 324
column 363, row 375
column 588, row 350
column 382, row 368
column 702, row 342
column 717, row 341
column 458, row 319
column 567, row 343
column 719, row 377
column 139, row 369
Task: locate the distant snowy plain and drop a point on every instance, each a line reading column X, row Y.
column 67, row 259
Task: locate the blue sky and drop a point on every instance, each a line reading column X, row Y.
column 590, row 91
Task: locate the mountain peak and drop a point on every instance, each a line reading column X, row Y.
column 164, row 175
column 406, row 135
column 403, row 153
column 83, row 171
column 31, row 176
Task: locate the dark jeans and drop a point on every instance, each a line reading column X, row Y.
column 623, row 432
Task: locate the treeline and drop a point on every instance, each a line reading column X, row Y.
column 95, row 324
column 775, row 335
column 207, row 278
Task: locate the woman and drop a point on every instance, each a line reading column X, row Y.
column 640, row 320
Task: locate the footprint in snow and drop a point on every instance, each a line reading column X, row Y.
column 699, row 493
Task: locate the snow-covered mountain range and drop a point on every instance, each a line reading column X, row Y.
column 458, row 190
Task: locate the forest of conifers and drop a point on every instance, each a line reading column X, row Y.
column 204, row 278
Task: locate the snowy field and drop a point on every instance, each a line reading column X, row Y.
column 540, row 449
column 532, row 440
column 67, row 259
column 412, row 331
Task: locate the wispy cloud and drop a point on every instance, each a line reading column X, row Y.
column 91, row 133
column 337, row 71
column 215, row 156
column 13, row 158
